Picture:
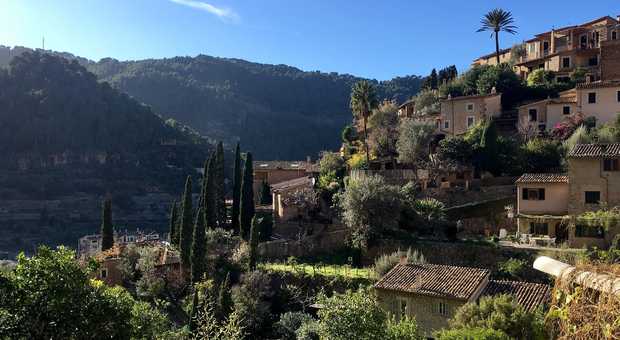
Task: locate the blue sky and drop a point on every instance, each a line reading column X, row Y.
column 376, row 39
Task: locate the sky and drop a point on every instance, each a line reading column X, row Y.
column 378, row 39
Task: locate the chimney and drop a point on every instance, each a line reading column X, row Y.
column 403, row 259
column 308, row 159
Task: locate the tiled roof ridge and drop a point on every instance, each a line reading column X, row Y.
column 552, row 177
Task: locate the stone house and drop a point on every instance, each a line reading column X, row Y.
column 283, row 208
column 547, row 204
column 543, row 115
column 272, row 172
column 432, row 293
column 459, row 114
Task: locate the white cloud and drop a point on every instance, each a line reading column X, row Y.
column 223, row 13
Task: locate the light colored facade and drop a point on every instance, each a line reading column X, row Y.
column 599, row 99
column 273, row 172
column 283, row 209
column 548, row 204
column 459, row 114
column 406, row 109
column 90, row 245
column 491, row 58
column 544, row 115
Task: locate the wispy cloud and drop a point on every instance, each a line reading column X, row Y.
column 223, row 13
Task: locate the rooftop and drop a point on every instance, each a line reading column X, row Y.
column 492, row 55
column 476, row 96
column 434, row 280
column 528, row 295
column 292, row 184
column 595, row 151
column 543, row 178
column 599, row 84
column 280, row 165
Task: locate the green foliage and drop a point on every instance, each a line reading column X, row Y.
column 209, row 327
column 369, row 206
column 489, row 145
column 386, row 262
column 252, row 303
column 224, row 299
column 540, row 77
column 209, row 199
column 265, row 194
column 185, row 240
column 254, row 239
column 500, row 313
column 49, row 296
column 541, row 155
column 405, row 329
column 348, row 135
column 513, row 268
column 495, row 21
column 199, row 251
column 363, row 101
column 501, row 77
column 427, row 101
column 383, row 124
column 309, row 331
column 581, row 135
column 413, row 140
column 107, row 230
column 290, row 323
column 578, row 75
column 352, row 315
column 430, row 210
column 173, row 230
column 193, row 314
column 457, row 149
column 358, row 161
column 234, row 216
column 476, row 333
column 247, row 198
column 606, row 218
column 220, row 189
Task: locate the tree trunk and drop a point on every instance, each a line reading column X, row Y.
column 366, row 141
column 497, row 46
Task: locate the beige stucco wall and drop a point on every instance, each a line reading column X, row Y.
column 555, row 202
column 523, row 225
column 555, row 113
column 606, row 107
column 455, row 111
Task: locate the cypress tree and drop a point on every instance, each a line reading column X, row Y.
column 173, row 230
column 220, row 190
column 254, row 235
column 265, row 194
column 224, row 300
column 107, row 230
column 203, row 186
column 199, row 251
column 234, row 216
column 210, row 204
column 246, row 212
column 185, row 238
column 193, row 315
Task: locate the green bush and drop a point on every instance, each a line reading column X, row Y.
column 290, row 323
column 471, row 334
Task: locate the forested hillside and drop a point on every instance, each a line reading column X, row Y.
column 277, row 111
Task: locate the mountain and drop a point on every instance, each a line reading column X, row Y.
column 68, row 140
column 276, row 111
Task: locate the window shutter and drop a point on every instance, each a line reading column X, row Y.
column 524, row 194
column 541, row 194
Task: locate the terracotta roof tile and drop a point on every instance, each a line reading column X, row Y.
column 527, row 294
column 434, row 280
column 543, row 178
column 599, row 84
column 595, row 150
column 293, row 183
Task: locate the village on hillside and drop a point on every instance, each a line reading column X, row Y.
column 487, row 206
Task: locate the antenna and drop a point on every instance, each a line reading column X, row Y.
column 43, row 43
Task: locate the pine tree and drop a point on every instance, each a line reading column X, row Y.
column 199, row 252
column 220, row 190
column 254, row 236
column 247, row 198
column 234, row 216
column 107, row 230
column 210, row 204
column 185, row 238
column 433, row 80
column 193, row 315
column 224, row 299
column 173, row 230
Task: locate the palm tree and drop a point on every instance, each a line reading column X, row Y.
column 363, row 101
column 495, row 21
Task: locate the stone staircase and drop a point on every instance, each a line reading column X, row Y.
column 507, row 122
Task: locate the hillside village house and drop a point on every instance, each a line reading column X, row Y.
column 591, row 46
column 600, row 99
column 432, row 293
column 283, row 209
column 272, row 172
column 90, row 245
column 406, row 109
column 547, row 204
column 459, row 114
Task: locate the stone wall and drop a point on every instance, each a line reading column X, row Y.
column 313, row 245
column 610, row 60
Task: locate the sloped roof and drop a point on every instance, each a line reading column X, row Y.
column 434, row 280
column 595, row 151
column 492, row 54
column 527, row 294
column 599, row 84
column 292, row 184
column 280, row 165
column 543, row 178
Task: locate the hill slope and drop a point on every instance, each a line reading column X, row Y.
column 276, row 111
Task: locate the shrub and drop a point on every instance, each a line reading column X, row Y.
column 352, row 315
column 512, row 268
column 358, row 161
column 471, row 334
column 290, row 323
column 405, row 329
column 540, row 77
column 386, row 262
column 309, row 331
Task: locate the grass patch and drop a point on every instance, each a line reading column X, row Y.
column 331, row 271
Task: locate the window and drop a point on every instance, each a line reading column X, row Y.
column 470, row 121
column 469, row 107
column 614, row 35
column 104, row 273
column 403, row 309
column 618, row 96
column 593, row 61
column 446, row 124
column 592, row 98
column 538, row 228
column 593, row 197
column 566, row 110
column 566, row 62
column 442, row 308
column 610, row 165
column 583, row 41
column 533, row 194
column 563, row 79
column 533, row 113
column 589, row 231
